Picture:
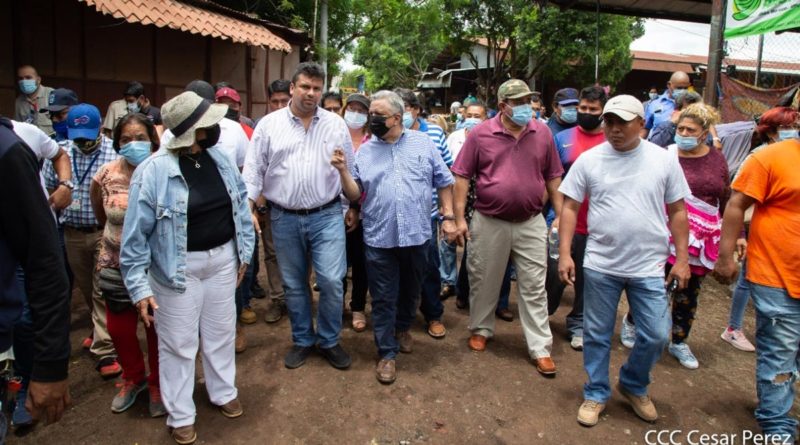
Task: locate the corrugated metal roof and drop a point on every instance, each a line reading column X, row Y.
column 188, row 18
column 686, row 10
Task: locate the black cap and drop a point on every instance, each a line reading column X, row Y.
column 134, row 88
column 567, row 96
column 59, row 100
column 202, row 89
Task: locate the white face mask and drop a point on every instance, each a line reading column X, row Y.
column 354, row 119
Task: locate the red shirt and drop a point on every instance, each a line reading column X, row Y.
column 510, row 173
column 572, row 143
column 247, row 130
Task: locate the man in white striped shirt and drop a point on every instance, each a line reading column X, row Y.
column 288, row 162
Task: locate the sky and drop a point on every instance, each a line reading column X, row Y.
column 669, row 36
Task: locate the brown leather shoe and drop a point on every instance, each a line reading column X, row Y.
column 184, row 435
column 504, row 314
column 405, row 341
column 240, row 344
column 385, row 371
column 545, row 366
column 232, row 409
column 477, row 342
column 436, row 329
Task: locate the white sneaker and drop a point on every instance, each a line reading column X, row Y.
column 737, row 340
column 684, row 355
column 628, row 333
column 576, row 343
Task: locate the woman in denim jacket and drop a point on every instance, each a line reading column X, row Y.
column 186, row 241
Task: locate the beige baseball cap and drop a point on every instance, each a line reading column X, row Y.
column 625, row 106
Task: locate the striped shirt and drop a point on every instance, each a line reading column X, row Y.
column 291, row 166
column 439, row 139
column 80, row 214
column 397, row 180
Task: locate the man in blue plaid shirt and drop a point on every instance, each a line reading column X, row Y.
column 87, row 149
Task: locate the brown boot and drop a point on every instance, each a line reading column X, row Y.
column 241, row 341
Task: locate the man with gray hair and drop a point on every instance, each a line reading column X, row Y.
column 397, row 169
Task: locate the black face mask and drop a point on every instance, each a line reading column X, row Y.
column 232, row 115
column 212, row 137
column 377, row 125
column 589, row 121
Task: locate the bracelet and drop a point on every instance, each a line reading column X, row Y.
column 448, row 218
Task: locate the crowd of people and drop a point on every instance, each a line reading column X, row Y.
column 157, row 214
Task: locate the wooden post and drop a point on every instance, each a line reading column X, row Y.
column 715, row 55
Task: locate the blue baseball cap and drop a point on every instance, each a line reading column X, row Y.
column 60, row 99
column 567, row 97
column 83, row 122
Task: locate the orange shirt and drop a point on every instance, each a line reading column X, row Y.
column 771, row 178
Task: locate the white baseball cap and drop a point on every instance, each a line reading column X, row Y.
column 625, row 106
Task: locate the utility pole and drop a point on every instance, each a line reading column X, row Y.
column 758, row 61
column 323, row 39
column 715, row 52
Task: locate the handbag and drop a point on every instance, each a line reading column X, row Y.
column 113, row 290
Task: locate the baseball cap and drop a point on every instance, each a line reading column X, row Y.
column 567, row 96
column 625, row 106
column 134, row 88
column 228, row 92
column 83, row 122
column 358, row 98
column 513, row 89
column 60, row 99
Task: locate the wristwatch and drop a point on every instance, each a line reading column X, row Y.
column 448, row 218
column 68, row 184
column 262, row 210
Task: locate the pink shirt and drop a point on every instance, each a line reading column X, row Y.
column 510, row 173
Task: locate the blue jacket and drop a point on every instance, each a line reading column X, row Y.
column 154, row 233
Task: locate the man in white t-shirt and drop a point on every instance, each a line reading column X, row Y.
column 628, row 182
column 45, row 147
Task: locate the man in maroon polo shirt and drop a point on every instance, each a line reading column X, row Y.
column 514, row 161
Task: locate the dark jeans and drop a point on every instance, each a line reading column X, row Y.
column 395, row 278
column 684, row 306
column 555, row 288
column 24, row 338
column 244, row 292
column 462, row 286
column 430, row 304
column 358, row 265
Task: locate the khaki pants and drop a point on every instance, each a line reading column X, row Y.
column 493, row 242
column 82, row 249
column 274, row 281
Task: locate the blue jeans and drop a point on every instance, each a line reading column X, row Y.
column 649, row 304
column 244, row 292
column 395, row 278
column 447, row 262
column 741, row 293
column 777, row 340
column 24, row 338
column 322, row 235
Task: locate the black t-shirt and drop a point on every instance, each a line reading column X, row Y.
column 210, row 212
column 153, row 114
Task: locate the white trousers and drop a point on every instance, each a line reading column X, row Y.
column 204, row 314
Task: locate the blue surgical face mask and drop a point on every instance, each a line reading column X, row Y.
column 686, row 143
column 27, row 86
column 133, row 107
column 354, row 119
column 471, row 122
column 784, row 135
column 408, row 119
column 61, row 130
column 538, row 115
column 522, row 114
column 653, row 96
column 136, row 151
column 569, row 114
column 678, row 93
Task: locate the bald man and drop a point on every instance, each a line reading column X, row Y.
column 32, row 99
column 660, row 109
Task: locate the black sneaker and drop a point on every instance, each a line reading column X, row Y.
column 336, row 357
column 297, row 356
column 256, row 291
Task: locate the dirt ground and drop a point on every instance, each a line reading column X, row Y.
column 444, row 394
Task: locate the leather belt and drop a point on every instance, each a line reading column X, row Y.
column 305, row 211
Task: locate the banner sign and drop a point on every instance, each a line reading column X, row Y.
column 743, row 102
column 752, row 17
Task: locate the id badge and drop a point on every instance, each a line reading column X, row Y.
column 76, row 205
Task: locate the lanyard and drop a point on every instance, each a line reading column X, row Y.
column 88, row 169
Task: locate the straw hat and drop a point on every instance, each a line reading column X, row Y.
column 187, row 112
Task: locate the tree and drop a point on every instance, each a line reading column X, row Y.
column 397, row 54
column 527, row 41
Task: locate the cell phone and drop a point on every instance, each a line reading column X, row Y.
column 673, row 285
